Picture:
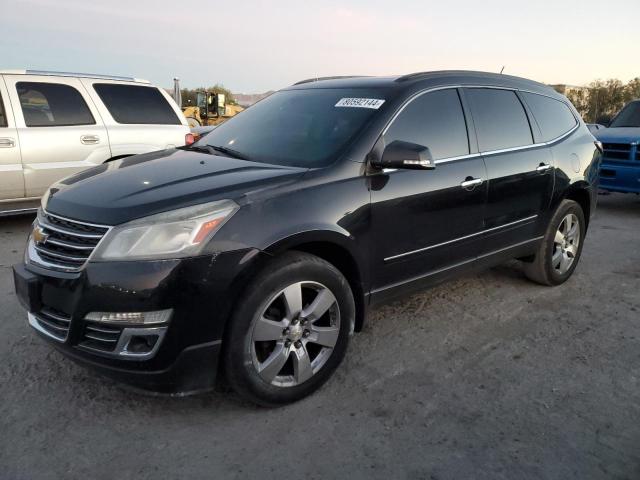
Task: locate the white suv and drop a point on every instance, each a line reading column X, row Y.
column 55, row 124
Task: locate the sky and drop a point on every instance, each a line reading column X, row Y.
column 252, row 46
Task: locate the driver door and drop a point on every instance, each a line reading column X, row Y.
column 426, row 221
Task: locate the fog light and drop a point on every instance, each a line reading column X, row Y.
column 139, row 318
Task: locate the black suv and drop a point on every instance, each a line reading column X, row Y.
column 258, row 250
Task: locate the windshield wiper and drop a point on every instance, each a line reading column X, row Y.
column 228, row 151
column 212, row 149
column 199, row 148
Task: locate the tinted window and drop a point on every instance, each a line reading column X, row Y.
column 3, row 117
column 136, row 104
column 629, row 116
column 553, row 117
column 52, row 105
column 306, row 128
column 435, row 120
column 500, row 119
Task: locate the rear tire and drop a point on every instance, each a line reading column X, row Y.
column 290, row 330
column 560, row 250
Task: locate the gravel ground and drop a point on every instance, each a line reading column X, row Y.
column 487, row 377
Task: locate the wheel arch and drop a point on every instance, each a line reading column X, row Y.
column 339, row 251
column 581, row 193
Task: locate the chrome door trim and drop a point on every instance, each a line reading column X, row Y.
column 460, row 264
column 51, row 166
column 10, row 167
column 487, row 230
column 489, row 152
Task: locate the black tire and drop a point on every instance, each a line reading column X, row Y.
column 238, row 353
column 541, row 269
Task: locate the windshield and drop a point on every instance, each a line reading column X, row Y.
column 302, row 128
column 629, row 116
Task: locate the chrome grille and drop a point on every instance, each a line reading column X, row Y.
column 67, row 244
column 100, row 337
column 54, row 322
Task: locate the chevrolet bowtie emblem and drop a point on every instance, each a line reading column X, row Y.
column 39, row 237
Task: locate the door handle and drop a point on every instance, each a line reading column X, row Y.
column 543, row 167
column 90, row 139
column 470, row 183
column 7, row 143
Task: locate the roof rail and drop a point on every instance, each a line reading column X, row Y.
column 412, row 76
column 319, row 79
column 73, row 74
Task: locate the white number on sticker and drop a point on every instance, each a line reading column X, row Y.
column 374, row 103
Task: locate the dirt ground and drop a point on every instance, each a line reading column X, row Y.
column 486, row 377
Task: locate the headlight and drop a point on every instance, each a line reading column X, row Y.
column 174, row 234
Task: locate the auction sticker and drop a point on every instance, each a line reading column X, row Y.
column 374, row 103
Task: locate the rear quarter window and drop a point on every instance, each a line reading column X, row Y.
column 552, row 116
column 133, row 104
column 52, row 105
column 500, row 119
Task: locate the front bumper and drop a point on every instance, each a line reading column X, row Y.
column 620, row 178
column 201, row 292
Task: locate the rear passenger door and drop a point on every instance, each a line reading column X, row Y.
column 11, row 178
column 140, row 118
column 520, row 173
column 60, row 131
column 425, row 221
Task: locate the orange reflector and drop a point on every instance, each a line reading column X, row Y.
column 206, row 228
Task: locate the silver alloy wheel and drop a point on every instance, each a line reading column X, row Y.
column 565, row 244
column 294, row 336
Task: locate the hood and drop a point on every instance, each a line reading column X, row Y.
column 618, row 135
column 142, row 185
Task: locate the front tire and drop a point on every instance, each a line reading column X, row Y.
column 290, row 330
column 560, row 250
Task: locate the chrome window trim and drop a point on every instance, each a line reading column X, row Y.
column 488, row 152
column 568, row 105
column 481, row 232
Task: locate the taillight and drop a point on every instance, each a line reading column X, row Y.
column 599, row 146
column 189, row 139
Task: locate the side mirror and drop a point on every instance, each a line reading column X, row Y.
column 406, row 155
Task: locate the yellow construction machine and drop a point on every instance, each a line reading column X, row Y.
column 210, row 109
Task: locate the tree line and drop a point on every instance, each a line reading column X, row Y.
column 599, row 101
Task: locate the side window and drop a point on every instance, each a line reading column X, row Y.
column 134, row 104
column 52, row 105
column 435, row 120
column 500, row 119
column 3, row 116
column 553, row 117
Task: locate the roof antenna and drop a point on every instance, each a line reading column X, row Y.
column 502, row 70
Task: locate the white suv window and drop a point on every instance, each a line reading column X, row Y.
column 52, row 105
column 132, row 104
column 3, row 117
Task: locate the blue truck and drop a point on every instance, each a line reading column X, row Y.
column 620, row 168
